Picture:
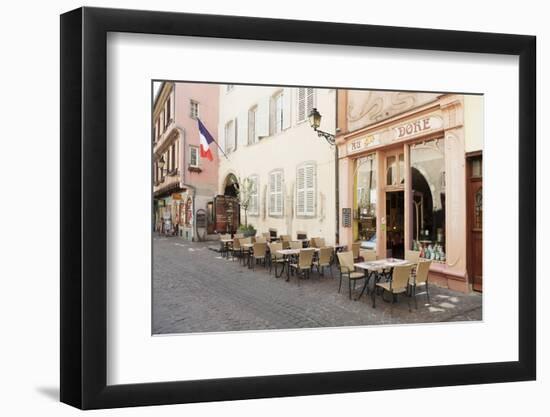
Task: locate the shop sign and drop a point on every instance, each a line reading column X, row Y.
column 365, row 142
column 417, row 127
column 176, row 196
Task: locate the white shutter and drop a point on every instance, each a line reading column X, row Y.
column 309, row 100
column 279, row 193
column 300, row 191
column 287, row 107
column 242, row 126
column 310, row 190
column 221, row 137
column 272, row 192
column 301, row 104
column 262, row 113
column 235, row 133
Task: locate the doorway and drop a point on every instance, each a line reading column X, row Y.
column 395, row 224
column 475, row 221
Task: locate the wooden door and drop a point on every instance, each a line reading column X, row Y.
column 475, row 222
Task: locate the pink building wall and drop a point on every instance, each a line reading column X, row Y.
column 206, row 95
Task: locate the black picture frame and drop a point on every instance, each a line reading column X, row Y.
column 84, row 207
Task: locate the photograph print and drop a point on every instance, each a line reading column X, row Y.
column 294, row 207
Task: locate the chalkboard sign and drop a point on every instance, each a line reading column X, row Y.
column 346, row 217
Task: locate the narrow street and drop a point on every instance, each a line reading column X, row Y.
column 196, row 290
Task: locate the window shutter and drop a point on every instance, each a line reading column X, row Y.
column 287, row 107
column 310, row 100
column 273, row 115
column 279, row 193
column 263, row 113
column 251, row 126
column 301, row 104
column 272, row 193
column 310, row 190
column 300, row 191
column 236, row 133
column 242, row 126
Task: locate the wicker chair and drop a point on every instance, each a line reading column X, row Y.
column 324, row 260
column 258, row 253
column 347, row 269
column 397, row 285
column 420, row 278
column 285, row 239
column 305, row 260
column 295, row 244
column 276, row 258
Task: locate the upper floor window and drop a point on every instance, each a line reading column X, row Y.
column 229, row 87
column 194, row 109
column 305, row 190
column 229, row 136
column 276, row 193
column 194, row 156
column 277, row 113
column 252, row 125
column 306, row 102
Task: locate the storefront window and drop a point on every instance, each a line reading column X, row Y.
column 428, row 195
column 391, row 171
column 365, row 201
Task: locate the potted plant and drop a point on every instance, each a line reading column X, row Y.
column 247, row 230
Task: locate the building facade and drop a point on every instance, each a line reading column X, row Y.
column 411, row 175
column 183, row 182
column 268, row 141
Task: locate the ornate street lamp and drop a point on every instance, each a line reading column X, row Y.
column 161, row 163
column 315, row 122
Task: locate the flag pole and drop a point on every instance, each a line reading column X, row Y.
column 219, row 147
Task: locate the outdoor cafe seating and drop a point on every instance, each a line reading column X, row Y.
column 258, row 253
column 347, row 270
column 420, row 279
column 396, row 277
column 304, row 263
column 397, row 285
column 324, row 260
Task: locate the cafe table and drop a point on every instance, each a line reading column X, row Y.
column 226, row 243
column 246, row 248
column 288, row 254
column 378, row 268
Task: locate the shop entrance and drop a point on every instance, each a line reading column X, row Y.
column 395, row 224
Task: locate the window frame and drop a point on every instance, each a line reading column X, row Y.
column 196, row 149
column 192, row 114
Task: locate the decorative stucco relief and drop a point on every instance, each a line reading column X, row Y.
column 369, row 107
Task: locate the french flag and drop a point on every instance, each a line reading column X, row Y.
column 205, row 140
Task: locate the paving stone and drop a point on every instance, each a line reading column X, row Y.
column 195, row 290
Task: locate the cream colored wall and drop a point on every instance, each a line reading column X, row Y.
column 285, row 150
column 473, row 122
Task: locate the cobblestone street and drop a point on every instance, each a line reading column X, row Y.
column 196, row 290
